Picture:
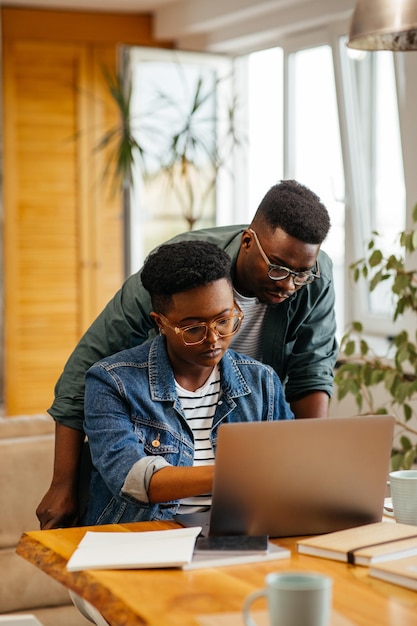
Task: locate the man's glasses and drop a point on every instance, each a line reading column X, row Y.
column 279, row 272
column 197, row 333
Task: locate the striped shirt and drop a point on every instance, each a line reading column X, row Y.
column 199, row 407
column 249, row 338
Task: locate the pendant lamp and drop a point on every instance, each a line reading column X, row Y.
column 384, row 25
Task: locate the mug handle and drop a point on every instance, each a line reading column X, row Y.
column 248, row 602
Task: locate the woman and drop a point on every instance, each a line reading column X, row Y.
column 152, row 412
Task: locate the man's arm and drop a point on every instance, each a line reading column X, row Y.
column 124, row 322
column 315, row 404
column 311, row 346
column 59, row 506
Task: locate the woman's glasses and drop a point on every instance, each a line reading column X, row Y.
column 197, row 333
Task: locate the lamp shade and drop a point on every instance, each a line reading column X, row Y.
column 384, row 25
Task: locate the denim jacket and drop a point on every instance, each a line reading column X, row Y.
column 131, row 402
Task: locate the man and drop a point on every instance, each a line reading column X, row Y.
column 283, row 284
column 152, row 412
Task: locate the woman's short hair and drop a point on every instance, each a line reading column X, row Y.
column 181, row 266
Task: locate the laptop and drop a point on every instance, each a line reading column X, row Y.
column 298, row 477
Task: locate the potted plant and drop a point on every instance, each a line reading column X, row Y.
column 185, row 154
column 361, row 372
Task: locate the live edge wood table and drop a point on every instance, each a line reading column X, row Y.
column 212, row 596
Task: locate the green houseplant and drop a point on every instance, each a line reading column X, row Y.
column 363, row 373
column 185, row 154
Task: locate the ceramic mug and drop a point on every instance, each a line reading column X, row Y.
column 403, row 485
column 294, row 599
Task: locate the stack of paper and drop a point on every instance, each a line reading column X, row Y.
column 163, row 548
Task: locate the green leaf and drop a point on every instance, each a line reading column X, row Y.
column 395, row 264
column 376, row 279
column 409, row 458
column 349, row 369
column 375, row 258
column 397, row 461
column 401, row 356
column 342, row 391
column 401, row 392
column 350, row 348
column 377, row 376
column 400, row 338
column 408, row 412
column 367, row 372
column 364, row 347
column 389, row 377
column 405, row 443
column 350, row 386
column 401, row 283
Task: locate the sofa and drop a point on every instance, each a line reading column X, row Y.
column 26, row 462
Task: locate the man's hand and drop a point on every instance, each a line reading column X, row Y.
column 58, row 509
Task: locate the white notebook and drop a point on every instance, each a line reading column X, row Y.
column 130, row 550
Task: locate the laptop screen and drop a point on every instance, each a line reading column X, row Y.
column 300, row 477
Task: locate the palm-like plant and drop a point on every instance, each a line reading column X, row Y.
column 178, row 142
column 120, row 140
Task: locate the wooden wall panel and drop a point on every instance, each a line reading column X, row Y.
column 42, row 305
column 63, row 243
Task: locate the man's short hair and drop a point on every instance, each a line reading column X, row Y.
column 181, row 266
column 295, row 209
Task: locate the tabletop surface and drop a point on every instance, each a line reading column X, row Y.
column 211, row 596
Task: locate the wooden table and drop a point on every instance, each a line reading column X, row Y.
column 212, row 596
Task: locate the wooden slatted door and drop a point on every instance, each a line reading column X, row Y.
column 63, row 233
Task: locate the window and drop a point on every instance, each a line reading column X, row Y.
column 377, row 179
column 180, row 106
column 311, row 142
column 314, row 147
column 341, row 139
column 265, row 124
column 310, row 110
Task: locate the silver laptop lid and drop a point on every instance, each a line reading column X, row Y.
column 300, row 477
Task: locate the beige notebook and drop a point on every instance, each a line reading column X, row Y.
column 363, row 545
column 400, row 572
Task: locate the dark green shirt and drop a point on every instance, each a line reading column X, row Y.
column 298, row 339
